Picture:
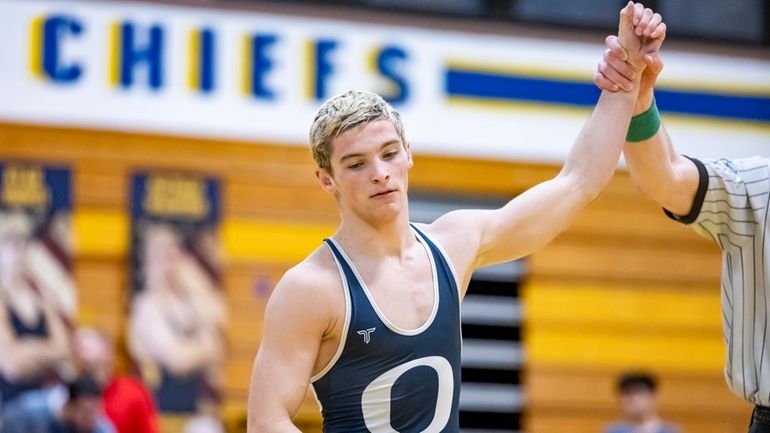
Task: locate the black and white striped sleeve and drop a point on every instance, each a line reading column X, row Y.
column 731, row 196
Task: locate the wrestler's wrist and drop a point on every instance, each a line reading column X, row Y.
column 643, row 101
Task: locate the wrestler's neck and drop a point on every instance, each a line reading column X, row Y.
column 373, row 238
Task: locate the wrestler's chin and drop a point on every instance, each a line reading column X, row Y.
column 383, row 213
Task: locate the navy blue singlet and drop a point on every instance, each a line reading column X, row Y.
column 384, row 379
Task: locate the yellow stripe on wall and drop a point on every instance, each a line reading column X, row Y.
column 573, row 347
column 113, row 68
column 508, row 105
column 386, row 86
column 371, row 60
column 621, row 327
column 309, row 55
column 520, row 70
column 193, row 59
column 248, row 67
column 100, row 232
column 619, row 306
column 35, row 47
column 260, row 240
column 107, row 234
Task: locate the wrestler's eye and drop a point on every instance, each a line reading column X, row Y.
column 356, row 165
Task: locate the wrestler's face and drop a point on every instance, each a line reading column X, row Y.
column 370, row 167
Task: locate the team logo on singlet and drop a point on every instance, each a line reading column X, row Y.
column 367, row 334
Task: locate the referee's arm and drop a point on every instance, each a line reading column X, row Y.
column 662, row 174
column 657, row 170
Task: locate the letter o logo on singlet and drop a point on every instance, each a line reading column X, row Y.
column 375, row 400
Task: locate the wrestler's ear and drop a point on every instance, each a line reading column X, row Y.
column 408, row 150
column 325, row 179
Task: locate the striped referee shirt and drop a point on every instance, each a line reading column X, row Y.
column 731, row 208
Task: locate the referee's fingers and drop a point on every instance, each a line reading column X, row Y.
column 619, row 65
column 613, row 75
column 613, row 44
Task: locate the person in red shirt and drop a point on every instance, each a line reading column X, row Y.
column 127, row 402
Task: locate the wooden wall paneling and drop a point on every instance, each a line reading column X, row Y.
column 101, row 287
column 620, row 238
column 681, row 392
column 578, row 259
column 570, row 421
column 247, row 199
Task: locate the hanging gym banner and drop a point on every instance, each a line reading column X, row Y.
column 36, row 215
column 260, row 77
column 37, row 292
column 177, row 313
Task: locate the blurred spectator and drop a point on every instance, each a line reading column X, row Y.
column 75, row 408
column 33, row 339
column 127, row 402
column 638, row 400
column 176, row 326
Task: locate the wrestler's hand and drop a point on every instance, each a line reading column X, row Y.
column 615, row 72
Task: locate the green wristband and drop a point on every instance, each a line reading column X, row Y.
column 644, row 126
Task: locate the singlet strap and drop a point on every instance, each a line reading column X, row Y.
column 440, row 256
column 348, row 312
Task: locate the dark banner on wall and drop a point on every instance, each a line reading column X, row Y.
column 36, row 206
column 37, row 291
column 177, row 315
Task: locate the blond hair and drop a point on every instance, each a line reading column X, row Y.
column 352, row 109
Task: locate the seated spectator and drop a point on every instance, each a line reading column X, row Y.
column 75, row 408
column 638, row 400
column 33, row 338
column 127, row 402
